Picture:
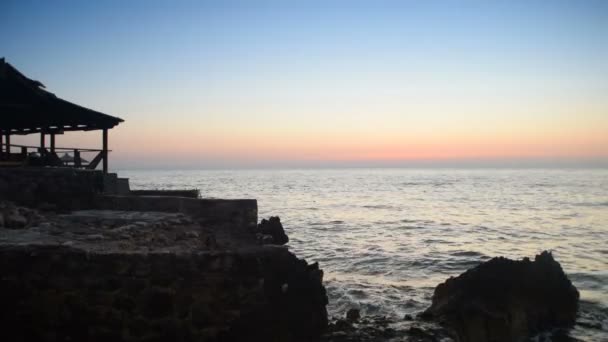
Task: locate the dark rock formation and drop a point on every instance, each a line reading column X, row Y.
column 506, row 300
column 272, row 227
column 58, row 293
column 353, row 315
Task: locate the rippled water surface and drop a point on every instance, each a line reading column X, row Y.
column 387, row 237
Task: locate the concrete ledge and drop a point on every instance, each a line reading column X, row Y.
column 192, row 193
column 238, row 215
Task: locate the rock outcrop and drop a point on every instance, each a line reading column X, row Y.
column 376, row 328
column 274, row 229
column 506, row 300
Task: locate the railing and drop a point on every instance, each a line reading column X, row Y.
column 37, row 156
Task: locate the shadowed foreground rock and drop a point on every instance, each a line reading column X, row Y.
column 506, row 300
column 104, row 275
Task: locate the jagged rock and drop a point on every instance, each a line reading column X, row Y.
column 353, row 315
column 506, row 300
column 381, row 328
column 13, row 219
column 274, row 228
column 265, row 239
column 46, row 206
column 296, row 301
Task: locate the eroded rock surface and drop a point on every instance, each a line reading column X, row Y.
column 16, row 217
column 506, row 300
column 103, row 275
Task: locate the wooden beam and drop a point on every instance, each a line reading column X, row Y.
column 60, row 130
column 8, row 144
column 93, row 163
column 42, row 143
column 104, row 150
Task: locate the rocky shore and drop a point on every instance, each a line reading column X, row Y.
column 100, row 275
column 500, row 300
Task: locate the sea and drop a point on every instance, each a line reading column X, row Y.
column 386, row 237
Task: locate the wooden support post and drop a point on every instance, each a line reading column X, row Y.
column 8, row 144
column 1, row 146
column 77, row 161
column 52, row 143
column 42, row 143
column 105, row 150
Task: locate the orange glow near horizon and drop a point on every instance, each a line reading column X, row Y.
column 250, row 143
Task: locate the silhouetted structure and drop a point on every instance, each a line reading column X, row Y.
column 26, row 108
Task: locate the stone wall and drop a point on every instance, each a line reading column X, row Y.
column 65, row 294
column 63, row 188
column 235, row 216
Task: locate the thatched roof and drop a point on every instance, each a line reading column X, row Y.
column 25, row 107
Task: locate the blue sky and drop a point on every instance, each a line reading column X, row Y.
column 332, row 81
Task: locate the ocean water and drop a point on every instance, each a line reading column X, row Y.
column 386, row 237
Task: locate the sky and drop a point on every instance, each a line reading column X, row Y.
column 324, row 83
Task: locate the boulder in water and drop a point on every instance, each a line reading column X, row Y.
column 506, row 300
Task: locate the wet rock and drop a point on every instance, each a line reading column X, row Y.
column 274, row 228
column 353, row 315
column 506, row 300
column 421, row 334
column 341, row 325
column 94, row 237
column 408, row 317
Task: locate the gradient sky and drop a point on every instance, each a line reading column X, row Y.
column 306, row 83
